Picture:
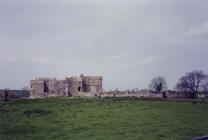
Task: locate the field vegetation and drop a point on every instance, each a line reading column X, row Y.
column 102, row 118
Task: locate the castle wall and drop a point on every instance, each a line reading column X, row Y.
column 93, row 84
column 45, row 87
column 73, row 86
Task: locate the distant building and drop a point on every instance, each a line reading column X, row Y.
column 71, row 86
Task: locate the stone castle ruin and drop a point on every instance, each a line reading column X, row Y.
column 71, row 86
column 88, row 86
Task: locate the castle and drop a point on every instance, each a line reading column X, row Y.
column 71, row 86
column 88, row 86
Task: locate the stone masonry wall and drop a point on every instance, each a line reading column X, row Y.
column 72, row 86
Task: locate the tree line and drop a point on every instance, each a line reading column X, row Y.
column 191, row 83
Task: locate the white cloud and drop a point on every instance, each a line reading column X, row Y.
column 198, row 31
column 147, row 60
column 120, row 56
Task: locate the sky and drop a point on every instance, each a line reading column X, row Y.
column 128, row 42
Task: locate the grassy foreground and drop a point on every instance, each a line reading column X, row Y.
column 105, row 119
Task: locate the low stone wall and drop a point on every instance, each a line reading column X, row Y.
column 143, row 94
column 14, row 93
column 131, row 94
column 87, row 94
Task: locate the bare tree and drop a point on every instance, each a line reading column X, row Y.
column 192, row 83
column 158, row 84
column 205, row 85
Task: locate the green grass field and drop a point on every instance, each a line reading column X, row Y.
column 101, row 119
